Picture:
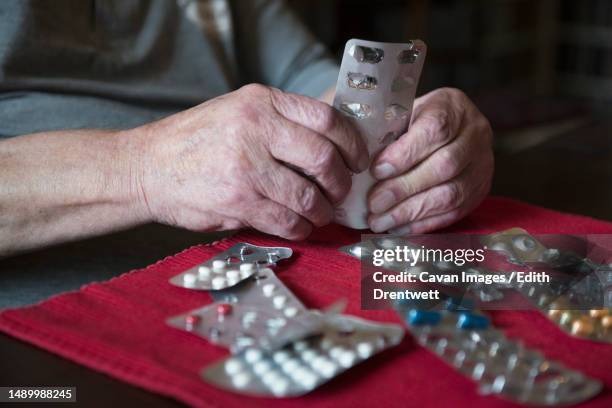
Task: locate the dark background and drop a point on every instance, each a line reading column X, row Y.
column 540, row 70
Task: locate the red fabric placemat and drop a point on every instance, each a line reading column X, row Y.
column 117, row 327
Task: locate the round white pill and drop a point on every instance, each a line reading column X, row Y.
column 271, row 377
column 252, row 355
column 329, row 369
column 218, row 265
column 347, row 358
column 290, row 365
column 218, row 282
column 248, row 319
column 262, row 367
column 232, row 274
column 318, row 362
column 308, row 355
column 233, row 366
column 336, row 352
column 241, row 380
column 189, row 279
column 279, row 387
column 232, row 282
column 291, row 311
column 204, row 272
column 365, row 349
column 247, row 267
column 276, row 323
column 325, row 367
column 305, row 377
column 280, row 357
column 268, row 289
column 279, row 301
column 300, row 345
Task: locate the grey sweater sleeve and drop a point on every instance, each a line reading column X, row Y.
column 275, row 48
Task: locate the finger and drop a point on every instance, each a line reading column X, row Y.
column 285, row 187
column 272, row 218
column 461, row 194
column 433, row 223
column 313, row 155
column 436, row 122
column 326, row 121
column 443, row 165
column 435, row 201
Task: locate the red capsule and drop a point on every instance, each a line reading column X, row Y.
column 224, row 309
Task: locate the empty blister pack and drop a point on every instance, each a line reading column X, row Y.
column 523, row 249
column 230, row 267
column 376, row 89
column 563, row 302
column 501, row 366
column 260, row 312
column 305, row 364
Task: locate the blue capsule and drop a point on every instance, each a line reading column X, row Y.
column 423, row 317
column 467, row 321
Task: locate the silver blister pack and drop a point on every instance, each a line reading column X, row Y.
column 559, row 304
column 523, row 249
column 230, row 267
column 365, row 248
column 260, row 312
column 306, row 364
column 376, row 90
column 503, row 367
column 561, row 301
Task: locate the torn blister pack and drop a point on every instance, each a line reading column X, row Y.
column 578, row 303
column 376, row 89
column 305, row 364
column 464, row 338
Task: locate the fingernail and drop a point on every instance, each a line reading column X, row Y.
column 405, row 230
column 382, row 201
column 383, row 223
column 364, row 163
column 383, row 171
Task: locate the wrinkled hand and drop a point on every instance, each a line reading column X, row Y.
column 435, row 173
column 231, row 163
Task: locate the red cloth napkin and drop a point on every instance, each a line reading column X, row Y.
column 117, row 327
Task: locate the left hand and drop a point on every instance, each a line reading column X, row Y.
column 438, row 171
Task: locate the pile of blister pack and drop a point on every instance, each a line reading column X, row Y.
column 376, row 88
column 279, row 347
column 465, row 338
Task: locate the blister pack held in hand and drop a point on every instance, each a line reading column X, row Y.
column 376, row 89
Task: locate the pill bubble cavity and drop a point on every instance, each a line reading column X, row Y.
column 368, row 55
column 356, row 110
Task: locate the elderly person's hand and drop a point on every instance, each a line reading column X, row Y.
column 438, row 171
column 240, row 160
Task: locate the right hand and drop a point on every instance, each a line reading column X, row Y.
column 230, row 163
